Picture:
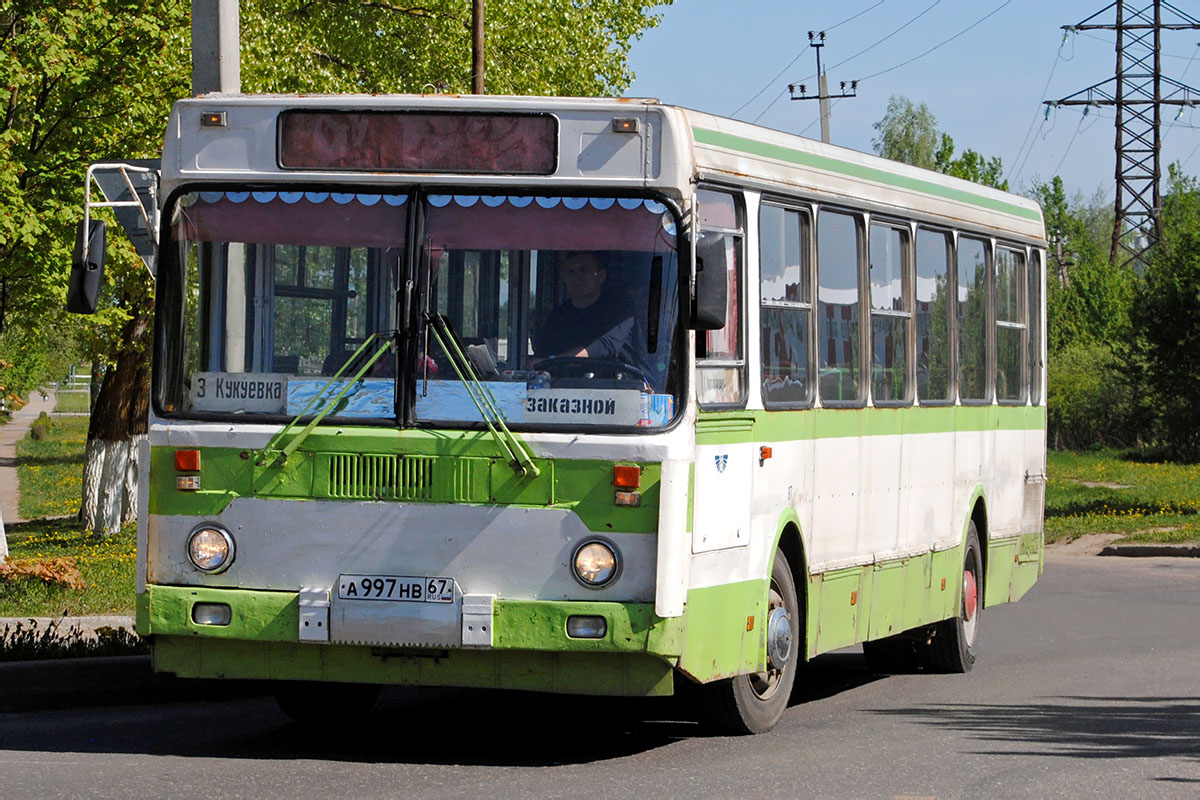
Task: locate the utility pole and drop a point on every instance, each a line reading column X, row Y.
column 477, row 46
column 817, row 41
column 1136, row 92
column 216, row 56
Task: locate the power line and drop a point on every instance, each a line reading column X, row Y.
column 791, row 63
column 1070, row 144
column 851, row 58
column 1037, row 113
column 941, row 43
column 1136, row 94
column 890, row 35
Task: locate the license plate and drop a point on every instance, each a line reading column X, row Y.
column 404, row 588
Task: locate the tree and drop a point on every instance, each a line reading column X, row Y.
column 1088, row 300
column 533, row 47
column 1166, row 318
column 86, row 80
column 909, row 133
column 83, row 80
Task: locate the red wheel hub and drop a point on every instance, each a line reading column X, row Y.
column 970, row 594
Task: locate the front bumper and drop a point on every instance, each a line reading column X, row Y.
column 530, row 647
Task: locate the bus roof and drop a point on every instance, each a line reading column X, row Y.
column 676, row 146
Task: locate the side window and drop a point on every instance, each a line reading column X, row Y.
column 972, row 320
column 934, row 312
column 1035, row 328
column 839, row 337
column 1010, row 325
column 786, row 296
column 891, row 315
column 721, row 364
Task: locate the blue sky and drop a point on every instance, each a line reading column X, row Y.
column 985, row 87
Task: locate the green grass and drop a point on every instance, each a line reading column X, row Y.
column 71, row 402
column 50, row 469
column 108, row 567
column 1109, row 491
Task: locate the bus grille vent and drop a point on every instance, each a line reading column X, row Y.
column 371, row 477
column 1035, row 503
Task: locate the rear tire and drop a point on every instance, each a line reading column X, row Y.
column 754, row 703
column 952, row 648
column 313, row 703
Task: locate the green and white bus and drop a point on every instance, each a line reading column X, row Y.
column 824, row 425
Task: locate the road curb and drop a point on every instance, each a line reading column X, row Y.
column 1152, row 550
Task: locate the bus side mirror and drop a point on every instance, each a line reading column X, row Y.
column 712, row 287
column 83, row 289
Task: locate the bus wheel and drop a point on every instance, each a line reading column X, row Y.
column 754, row 703
column 317, row 703
column 895, row 655
column 952, row 647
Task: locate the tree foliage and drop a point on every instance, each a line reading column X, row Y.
column 80, row 80
column 1088, row 299
column 534, row 47
column 908, row 133
column 1166, row 319
column 89, row 80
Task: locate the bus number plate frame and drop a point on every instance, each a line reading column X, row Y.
column 396, row 588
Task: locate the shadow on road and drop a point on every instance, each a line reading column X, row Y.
column 429, row 726
column 1076, row 727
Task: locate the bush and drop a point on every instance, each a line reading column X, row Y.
column 41, row 427
column 1089, row 399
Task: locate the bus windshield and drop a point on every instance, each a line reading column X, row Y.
column 565, row 308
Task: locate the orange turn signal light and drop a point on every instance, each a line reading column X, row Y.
column 187, row 460
column 627, row 476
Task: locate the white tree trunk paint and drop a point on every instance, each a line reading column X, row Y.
column 129, row 500
column 93, row 467
column 109, row 484
column 112, row 486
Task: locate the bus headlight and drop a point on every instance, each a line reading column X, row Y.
column 596, row 563
column 210, row 549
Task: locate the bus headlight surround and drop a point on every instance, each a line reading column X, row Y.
column 210, row 548
column 596, row 563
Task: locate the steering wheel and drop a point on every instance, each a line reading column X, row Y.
column 588, row 368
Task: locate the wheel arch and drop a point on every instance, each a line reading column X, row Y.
column 789, row 539
column 980, row 518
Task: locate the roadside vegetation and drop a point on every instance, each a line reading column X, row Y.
column 50, row 466
column 55, row 567
column 71, row 402
column 1127, row 492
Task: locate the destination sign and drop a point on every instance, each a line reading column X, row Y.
column 240, row 392
column 584, row 406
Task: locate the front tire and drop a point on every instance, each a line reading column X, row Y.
column 952, row 648
column 754, row 703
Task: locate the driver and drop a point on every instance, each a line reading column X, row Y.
column 595, row 321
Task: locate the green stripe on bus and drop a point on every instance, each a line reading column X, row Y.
column 829, row 164
column 715, row 427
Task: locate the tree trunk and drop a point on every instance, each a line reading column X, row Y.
column 118, row 422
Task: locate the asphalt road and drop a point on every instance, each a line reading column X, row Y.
column 1088, row 687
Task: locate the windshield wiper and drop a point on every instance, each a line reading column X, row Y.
column 520, row 460
column 270, row 454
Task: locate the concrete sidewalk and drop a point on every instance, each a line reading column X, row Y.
column 16, row 429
